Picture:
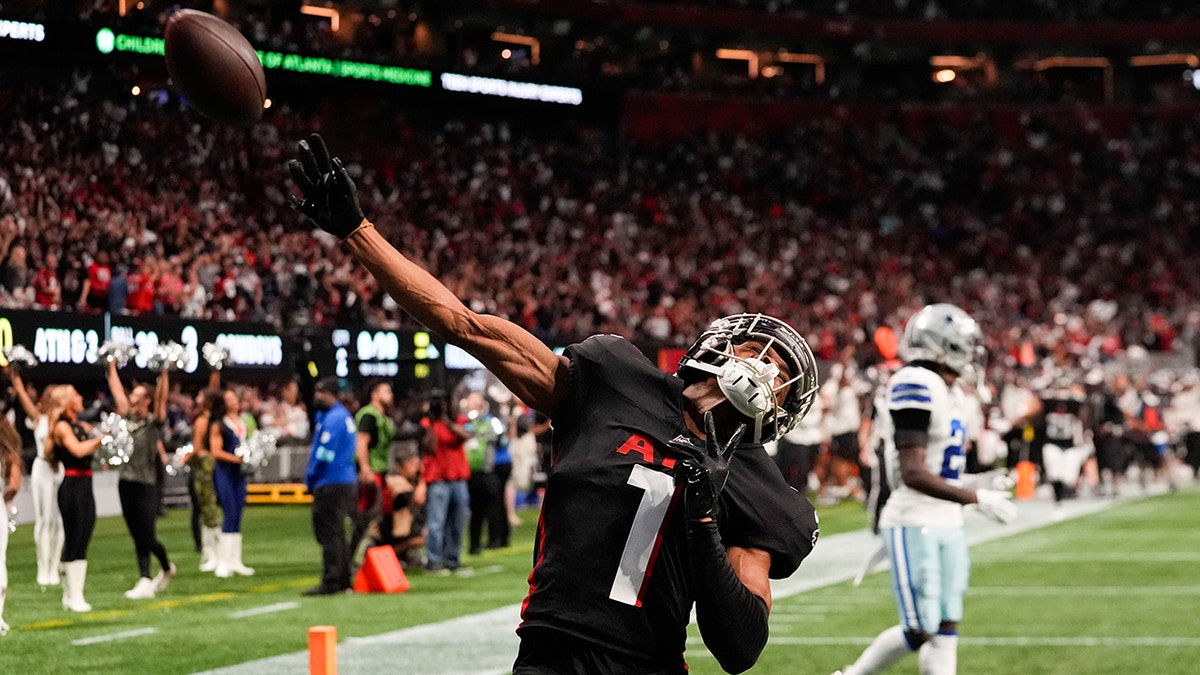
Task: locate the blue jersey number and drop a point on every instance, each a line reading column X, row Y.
column 954, row 458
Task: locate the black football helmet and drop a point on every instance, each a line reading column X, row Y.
column 749, row 384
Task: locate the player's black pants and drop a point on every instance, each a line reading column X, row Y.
column 139, row 506
column 331, row 506
column 481, row 490
column 1192, row 441
column 78, row 507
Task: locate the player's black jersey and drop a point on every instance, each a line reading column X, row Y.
column 610, row 560
column 1064, row 419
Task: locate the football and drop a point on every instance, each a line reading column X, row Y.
column 215, row 68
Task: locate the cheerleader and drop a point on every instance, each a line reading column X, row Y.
column 136, row 485
column 75, row 498
column 45, row 478
column 10, row 479
column 206, row 512
column 227, row 431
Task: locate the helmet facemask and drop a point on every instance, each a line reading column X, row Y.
column 748, row 382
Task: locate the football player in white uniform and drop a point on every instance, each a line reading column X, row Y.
column 922, row 522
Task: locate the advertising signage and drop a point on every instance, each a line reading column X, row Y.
column 67, row 344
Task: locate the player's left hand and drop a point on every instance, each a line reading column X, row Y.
column 704, row 478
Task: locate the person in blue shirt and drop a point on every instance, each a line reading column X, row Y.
column 332, row 480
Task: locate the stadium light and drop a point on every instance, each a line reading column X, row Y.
column 335, row 17
column 749, row 56
column 815, row 60
column 957, row 64
column 1100, row 62
column 944, row 76
column 1189, row 60
column 535, row 45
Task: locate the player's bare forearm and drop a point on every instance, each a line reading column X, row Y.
column 916, row 476
column 522, row 362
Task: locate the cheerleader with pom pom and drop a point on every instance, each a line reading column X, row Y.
column 145, row 416
column 44, row 481
column 227, row 431
column 70, row 447
column 10, row 482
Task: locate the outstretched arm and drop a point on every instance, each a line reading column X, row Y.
column 161, row 391
column 526, row 366
column 120, row 400
column 522, row 362
column 27, row 404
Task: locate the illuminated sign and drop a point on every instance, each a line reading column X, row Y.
column 19, row 30
column 530, row 91
column 67, row 344
column 108, row 42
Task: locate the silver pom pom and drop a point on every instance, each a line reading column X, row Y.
column 116, row 443
column 256, row 451
column 177, row 466
column 167, row 356
column 119, row 352
column 12, row 518
column 216, row 356
column 18, row 355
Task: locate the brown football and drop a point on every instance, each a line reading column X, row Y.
column 215, row 68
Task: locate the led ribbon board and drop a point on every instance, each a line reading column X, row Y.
column 108, row 42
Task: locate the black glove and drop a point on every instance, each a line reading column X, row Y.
column 703, row 478
column 330, row 198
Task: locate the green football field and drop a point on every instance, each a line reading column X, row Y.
column 1113, row 592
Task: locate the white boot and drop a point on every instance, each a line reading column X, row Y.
column 223, row 546
column 142, row 590
column 235, row 555
column 3, row 626
column 74, row 575
column 209, row 537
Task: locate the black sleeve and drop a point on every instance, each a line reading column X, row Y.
column 732, row 620
column 367, row 425
column 912, row 427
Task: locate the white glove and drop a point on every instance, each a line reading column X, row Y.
column 996, row 505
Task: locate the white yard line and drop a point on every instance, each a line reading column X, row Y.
column 268, row 609
column 1013, row 641
column 1084, row 591
column 111, row 637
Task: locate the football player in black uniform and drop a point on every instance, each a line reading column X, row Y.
column 654, row 501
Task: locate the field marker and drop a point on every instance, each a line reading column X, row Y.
column 97, row 639
column 322, row 650
column 268, row 609
column 106, row 615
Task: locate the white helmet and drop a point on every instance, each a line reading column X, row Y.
column 944, row 334
column 749, row 384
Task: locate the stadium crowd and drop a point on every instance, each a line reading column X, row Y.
column 1051, row 228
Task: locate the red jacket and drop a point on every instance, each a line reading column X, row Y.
column 449, row 459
